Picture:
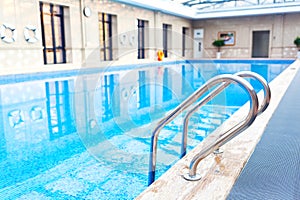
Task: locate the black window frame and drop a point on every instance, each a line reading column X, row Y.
column 141, row 39
column 166, row 28
column 54, row 48
column 105, row 21
column 184, row 34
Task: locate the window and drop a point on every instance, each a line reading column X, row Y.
column 141, row 38
column 53, row 34
column 166, row 38
column 184, row 35
column 105, row 31
column 60, row 117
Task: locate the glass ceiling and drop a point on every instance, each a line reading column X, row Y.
column 221, row 4
column 205, row 9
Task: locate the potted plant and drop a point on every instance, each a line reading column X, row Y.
column 297, row 43
column 218, row 43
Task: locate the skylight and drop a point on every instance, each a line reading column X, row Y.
column 220, row 4
column 204, row 9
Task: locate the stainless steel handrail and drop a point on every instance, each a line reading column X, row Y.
column 228, row 135
column 264, row 83
column 191, row 99
column 244, row 74
column 192, row 175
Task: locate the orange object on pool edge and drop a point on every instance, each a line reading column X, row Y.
column 160, row 55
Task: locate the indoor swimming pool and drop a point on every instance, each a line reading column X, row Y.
column 85, row 134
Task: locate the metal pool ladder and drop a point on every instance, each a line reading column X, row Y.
column 221, row 82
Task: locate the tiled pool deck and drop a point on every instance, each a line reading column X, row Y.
column 218, row 179
column 273, row 170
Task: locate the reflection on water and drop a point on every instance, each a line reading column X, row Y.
column 60, row 116
column 43, row 123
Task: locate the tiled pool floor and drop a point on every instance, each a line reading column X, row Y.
column 59, row 168
column 84, row 177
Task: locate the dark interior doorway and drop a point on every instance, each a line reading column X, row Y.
column 260, row 44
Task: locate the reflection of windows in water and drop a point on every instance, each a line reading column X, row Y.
column 60, row 116
column 2, row 137
column 110, row 98
column 167, row 86
column 187, row 72
column 144, row 90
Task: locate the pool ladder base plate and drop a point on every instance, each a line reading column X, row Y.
column 187, row 177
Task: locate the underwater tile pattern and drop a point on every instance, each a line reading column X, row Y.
column 84, row 177
column 40, row 162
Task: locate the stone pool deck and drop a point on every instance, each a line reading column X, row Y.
column 273, row 170
column 219, row 178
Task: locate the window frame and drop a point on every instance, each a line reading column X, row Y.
column 184, row 35
column 105, row 21
column 166, row 32
column 54, row 29
column 141, row 38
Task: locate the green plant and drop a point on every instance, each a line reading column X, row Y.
column 218, row 43
column 297, row 42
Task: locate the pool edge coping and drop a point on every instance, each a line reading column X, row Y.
column 21, row 75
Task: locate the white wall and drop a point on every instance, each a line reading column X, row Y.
column 284, row 28
column 82, row 34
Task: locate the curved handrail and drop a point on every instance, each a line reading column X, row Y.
column 228, row 135
column 244, row 74
column 266, row 88
column 192, row 175
column 191, row 99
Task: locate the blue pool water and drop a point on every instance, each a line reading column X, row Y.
column 85, row 134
